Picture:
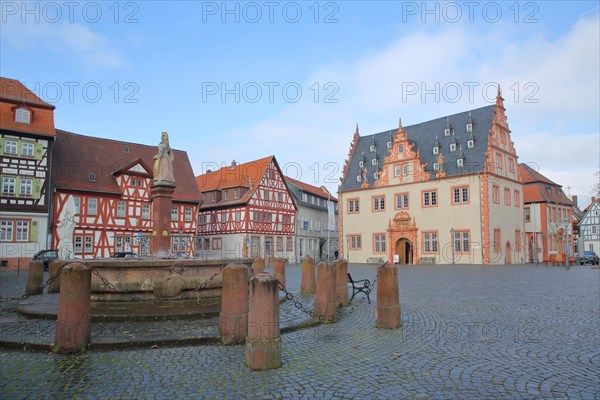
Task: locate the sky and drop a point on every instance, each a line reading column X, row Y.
column 244, row 80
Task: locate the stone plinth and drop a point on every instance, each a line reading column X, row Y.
column 388, row 297
column 162, row 200
column 341, row 289
column 308, row 285
column 263, row 346
column 35, row 279
column 233, row 320
column 53, row 269
column 73, row 321
column 325, row 297
column 258, row 267
column 279, row 269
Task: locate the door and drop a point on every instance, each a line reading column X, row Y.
column 404, row 251
column 269, row 248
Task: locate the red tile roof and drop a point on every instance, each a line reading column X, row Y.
column 538, row 189
column 594, row 200
column 75, row 156
column 317, row 191
column 14, row 91
column 529, row 175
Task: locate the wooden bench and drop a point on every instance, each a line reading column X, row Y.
column 554, row 260
column 359, row 286
column 427, row 260
column 375, row 260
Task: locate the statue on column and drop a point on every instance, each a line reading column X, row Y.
column 163, row 161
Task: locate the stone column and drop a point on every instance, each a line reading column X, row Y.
column 325, row 298
column 162, row 200
column 73, row 322
column 279, row 269
column 35, row 278
column 263, row 346
column 341, row 279
column 308, row 276
column 53, row 269
column 258, row 267
column 233, row 320
column 388, row 297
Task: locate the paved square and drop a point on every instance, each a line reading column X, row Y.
column 501, row 332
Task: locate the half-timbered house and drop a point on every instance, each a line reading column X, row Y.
column 26, row 138
column 246, row 211
column 110, row 181
column 589, row 227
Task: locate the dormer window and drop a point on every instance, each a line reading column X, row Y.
column 470, row 144
column 436, row 166
column 92, row 177
column 459, row 162
column 23, row 115
column 358, row 178
column 452, row 146
column 447, row 132
column 361, row 164
column 376, row 175
column 389, row 145
column 469, row 128
column 125, row 149
column 374, row 161
column 372, row 148
column 436, row 150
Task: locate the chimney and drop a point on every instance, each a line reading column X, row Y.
column 233, row 164
column 574, row 200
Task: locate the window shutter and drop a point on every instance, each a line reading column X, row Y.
column 38, row 151
column 36, row 189
column 19, row 148
column 33, row 232
column 1, row 146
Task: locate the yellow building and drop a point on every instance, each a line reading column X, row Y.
column 444, row 191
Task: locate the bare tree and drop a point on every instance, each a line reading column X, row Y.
column 596, row 187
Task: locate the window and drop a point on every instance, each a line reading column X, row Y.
column 353, row 206
column 527, row 214
column 8, row 185
column 121, row 209
column 92, row 177
column 133, row 182
column 461, row 241
column 88, row 245
column 78, row 245
column 6, row 230
column 396, row 170
column 402, row 201
column 217, row 243
column 518, row 240
column 361, row 164
column 188, row 213
column 503, row 137
column 289, row 246
column 213, row 197
column 497, row 241
column 469, row 128
column 372, row 148
column 10, row 147
column 511, row 165
column 355, row 242
column 146, row 211
column 430, row 242
column 517, row 198
column 236, row 194
column 125, row 149
column 379, row 242
column 224, row 218
column 174, row 213
column 594, row 229
column 459, row 162
column 280, row 197
column 452, row 146
column 358, row 178
column 375, row 175
column 225, row 195
column 436, row 166
column 470, row 144
column 379, row 203
column 374, row 161
column 507, row 196
column 279, row 243
column 496, row 194
column 436, row 150
column 447, row 132
column 460, row 195
column 92, row 207
column 430, row 198
column 389, row 145
column 25, row 186
column 499, row 161
column 238, row 216
column 400, row 149
column 23, row 115
column 27, row 149
column 404, row 169
column 77, row 200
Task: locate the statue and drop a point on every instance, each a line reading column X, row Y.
column 65, row 228
column 163, row 161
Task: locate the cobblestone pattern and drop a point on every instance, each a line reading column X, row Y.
column 499, row 332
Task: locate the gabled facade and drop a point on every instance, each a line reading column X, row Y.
column 110, row 181
column 547, row 217
column 247, row 211
column 590, row 227
column 27, row 135
column 314, row 238
column 446, row 191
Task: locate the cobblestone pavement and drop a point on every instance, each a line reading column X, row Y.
column 497, row 332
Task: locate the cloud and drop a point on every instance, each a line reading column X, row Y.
column 71, row 39
column 562, row 75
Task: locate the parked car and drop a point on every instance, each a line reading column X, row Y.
column 46, row 256
column 589, row 256
column 124, row 254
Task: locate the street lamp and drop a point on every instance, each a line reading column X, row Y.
column 565, row 225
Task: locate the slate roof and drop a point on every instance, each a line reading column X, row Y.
column 15, row 92
column 75, row 156
column 423, row 135
column 539, row 189
column 296, row 188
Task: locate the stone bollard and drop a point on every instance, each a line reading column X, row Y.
column 388, row 297
column 341, row 282
column 233, row 320
column 308, row 276
column 35, row 278
column 73, row 322
column 258, row 267
column 279, row 269
column 263, row 346
column 325, row 298
column 53, row 269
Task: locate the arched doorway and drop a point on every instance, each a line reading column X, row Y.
column 404, row 250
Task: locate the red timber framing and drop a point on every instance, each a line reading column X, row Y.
column 246, row 206
column 113, row 202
